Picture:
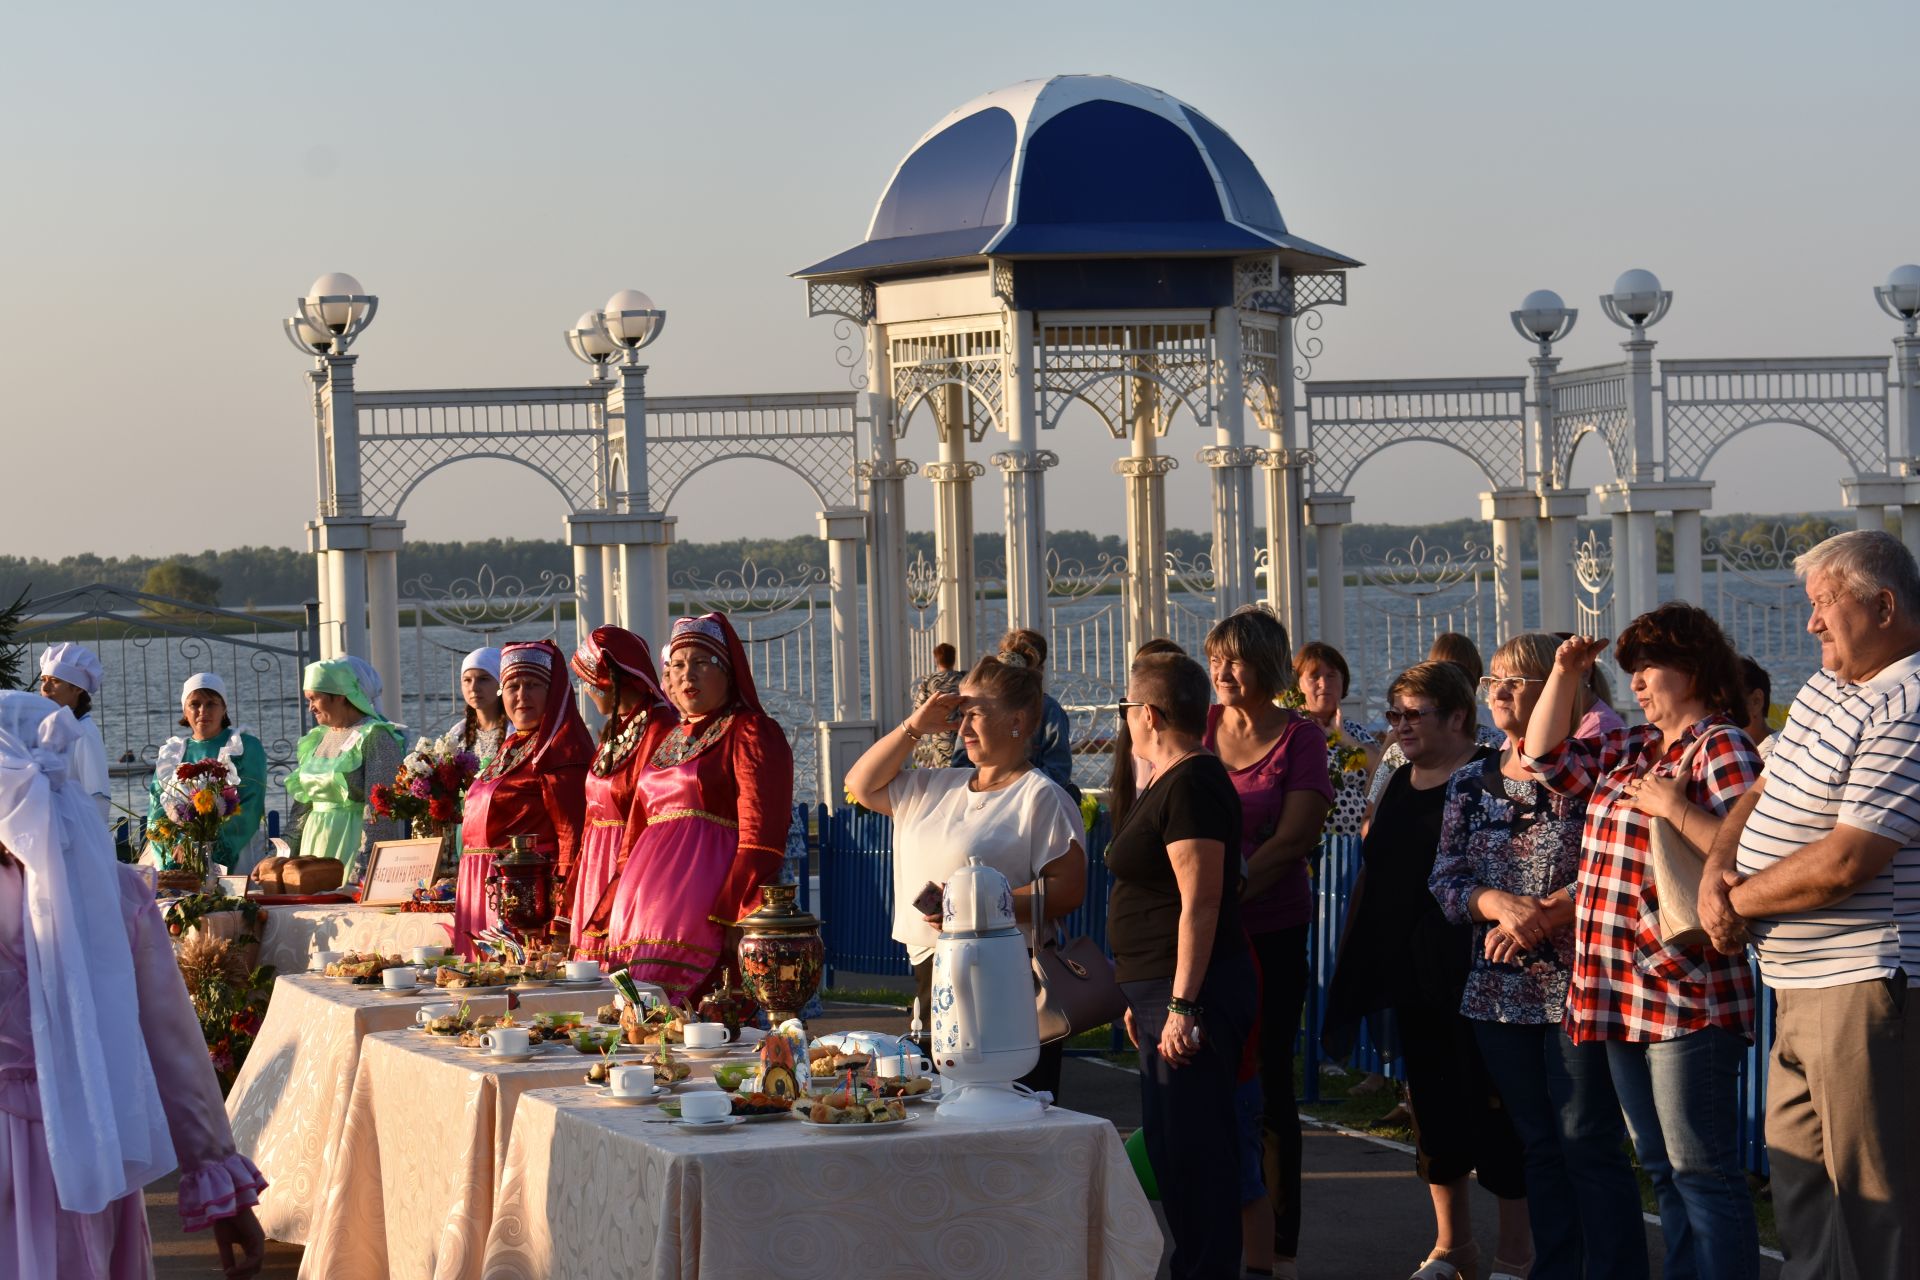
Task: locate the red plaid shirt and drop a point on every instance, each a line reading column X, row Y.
column 1627, row 984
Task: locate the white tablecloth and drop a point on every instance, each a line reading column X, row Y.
column 416, row 1172
column 594, row 1189
column 289, row 1105
column 293, row 934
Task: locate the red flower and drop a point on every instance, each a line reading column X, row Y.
column 448, row 776
column 440, row 809
column 381, row 798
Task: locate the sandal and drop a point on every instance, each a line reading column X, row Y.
column 1462, row 1263
column 1510, row 1270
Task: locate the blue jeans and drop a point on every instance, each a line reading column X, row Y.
column 1680, row 1101
column 1582, row 1201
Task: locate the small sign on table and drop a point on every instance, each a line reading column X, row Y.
column 397, row 867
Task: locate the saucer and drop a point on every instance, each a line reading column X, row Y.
column 417, row 988
column 531, row 1053
column 708, row 1126
column 580, row 984
column 717, row 1051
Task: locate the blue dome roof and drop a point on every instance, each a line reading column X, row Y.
column 1074, row 166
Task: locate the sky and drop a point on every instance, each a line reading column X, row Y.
column 176, row 175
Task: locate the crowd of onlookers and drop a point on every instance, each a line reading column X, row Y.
column 1549, row 932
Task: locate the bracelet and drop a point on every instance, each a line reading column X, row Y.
column 908, row 730
column 1183, row 1008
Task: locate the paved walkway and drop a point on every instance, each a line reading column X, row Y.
column 1366, row 1215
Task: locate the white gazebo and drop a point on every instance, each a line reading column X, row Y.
column 1079, row 238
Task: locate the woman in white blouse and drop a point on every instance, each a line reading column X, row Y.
column 1001, row 810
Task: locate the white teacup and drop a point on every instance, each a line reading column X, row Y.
column 705, row 1105
column 507, row 1041
column 631, row 1082
column 705, row 1035
column 427, row 955
column 901, row 1066
column 401, row 978
column 428, row 1012
column 583, row 970
column 321, row 959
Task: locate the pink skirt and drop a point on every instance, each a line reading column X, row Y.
column 471, row 914
column 41, row 1241
column 661, row 911
column 593, row 874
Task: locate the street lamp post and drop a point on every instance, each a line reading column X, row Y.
column 1544, row 319
column 1899, row 297
column 1636, row 304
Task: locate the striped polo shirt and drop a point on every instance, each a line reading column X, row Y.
column 1850, row 753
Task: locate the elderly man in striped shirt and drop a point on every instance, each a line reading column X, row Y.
column 1827, row 851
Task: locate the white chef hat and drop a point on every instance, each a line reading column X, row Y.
column 485, row 659
column 74, row 663
column 209, row 681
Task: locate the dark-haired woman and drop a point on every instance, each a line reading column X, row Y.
column 483, row 726
column 617, row 670
column 1321, row 672
column 1129, row 774
column 1180, row 954
column 1277, row 762
column 1676, row 1019
column 1003, row 810
column 208, row 720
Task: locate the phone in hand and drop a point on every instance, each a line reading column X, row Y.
column 927, row 903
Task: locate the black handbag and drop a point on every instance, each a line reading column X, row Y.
column 1074, row 986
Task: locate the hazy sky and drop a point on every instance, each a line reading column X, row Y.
column 176, row 175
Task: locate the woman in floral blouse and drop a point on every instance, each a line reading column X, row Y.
column 1676, row 1019
column 1509, row 849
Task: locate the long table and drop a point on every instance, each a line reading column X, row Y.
column 293, row 934
column 594, row 1188
column 289, row 1105
column 412, row 1185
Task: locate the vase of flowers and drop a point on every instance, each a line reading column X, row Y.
column 427, row 793
column 195, row 803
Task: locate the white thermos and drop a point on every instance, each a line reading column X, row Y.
column 986, row 1034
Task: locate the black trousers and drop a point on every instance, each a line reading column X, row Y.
column 1460, row 1125
column 1284, row 975
column 1045, row 1076
column 1193, row 1136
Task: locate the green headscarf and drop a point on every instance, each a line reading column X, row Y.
column 336, row 676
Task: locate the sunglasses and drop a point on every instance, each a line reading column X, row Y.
column 1512, row 686
column 1122, row 705
column 1410, row 716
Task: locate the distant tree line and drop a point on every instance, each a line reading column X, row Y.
column 259, row 576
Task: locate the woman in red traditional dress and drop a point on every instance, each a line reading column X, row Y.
column 718, row 793
column 619, row 676
column 535, row 787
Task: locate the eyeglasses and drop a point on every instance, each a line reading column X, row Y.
column 1512, row 686
column 1410, row 716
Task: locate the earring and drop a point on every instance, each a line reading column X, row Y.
column 1016, row 733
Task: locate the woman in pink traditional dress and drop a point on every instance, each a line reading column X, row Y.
column 105, row 1084
column 535, row 787
column 618, row 671
column 718, row 793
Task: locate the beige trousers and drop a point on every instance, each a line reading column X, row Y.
column 1843, row 1131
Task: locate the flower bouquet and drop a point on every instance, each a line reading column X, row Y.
column 427, row 787
column 195, row 802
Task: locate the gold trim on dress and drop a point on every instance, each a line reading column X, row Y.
column 606, row 822
column 671, row 815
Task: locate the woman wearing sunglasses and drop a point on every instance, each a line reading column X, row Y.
column 1509, row 850
column 1401, row 953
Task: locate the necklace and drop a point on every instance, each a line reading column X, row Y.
column 681, row 745
column 511, row 754
column 985, row 792
column 613, row 753
column 1178, row 761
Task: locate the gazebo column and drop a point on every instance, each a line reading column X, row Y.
column 343, row 529
column 1024, row 465
column 589, row 575
column 953, row 478
column 383, row 609
column 1509, row 510
column 323, row 591
column 1686, row 501
column 1330, row 513
column 885, row 475
column 1560, row 512
column 1232, row 466
column 610, row 589
column 1906, row 363
column 1285, row 469
column 345, row 541
column 1634, row 509
column 644, row 534
column 1146, row 475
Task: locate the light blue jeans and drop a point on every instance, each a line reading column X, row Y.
column 1680, row 1100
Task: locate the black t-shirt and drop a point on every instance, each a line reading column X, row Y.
column 1194, row 800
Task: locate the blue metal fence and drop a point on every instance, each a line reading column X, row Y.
column 852, row 854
